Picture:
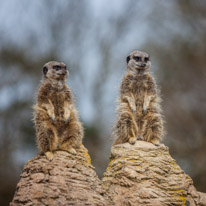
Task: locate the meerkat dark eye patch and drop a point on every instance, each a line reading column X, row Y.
column 45, row 70
column 146, row 59
column 128, row 58
column 136, row 58
column 57, row 67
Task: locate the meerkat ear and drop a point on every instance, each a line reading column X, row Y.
column 128, row 58
column 45, row 70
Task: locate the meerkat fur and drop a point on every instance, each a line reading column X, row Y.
column 138, row 111
column 55, row 116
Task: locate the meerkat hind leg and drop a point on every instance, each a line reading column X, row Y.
column 134, row 133
column 68, row 145
column 126, row 128
column 46, row 139
column 152, row 134
column 72, row 138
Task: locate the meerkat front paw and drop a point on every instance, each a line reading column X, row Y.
column 67, row 120
column 134, row 110
column 67, row 116
column 49, row 156
column 52, row 118
column 51, row 114
column 132, row 140
column 144, row 111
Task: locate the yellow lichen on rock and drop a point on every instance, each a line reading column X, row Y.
column 145, row 174
column 137, row 175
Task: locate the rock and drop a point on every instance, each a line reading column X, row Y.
column 137, row 175
column 145, row 174
column 67, row 180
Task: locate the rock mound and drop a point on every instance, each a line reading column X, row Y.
column 145, row 174
column 67, row 180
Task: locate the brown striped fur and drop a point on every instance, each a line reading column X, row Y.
column 138, row 112
column 55, row 116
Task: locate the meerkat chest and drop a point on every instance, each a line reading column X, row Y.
column 139, row 87
column 58, row 101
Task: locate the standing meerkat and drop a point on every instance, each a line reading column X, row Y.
column 55, row 116
column 138, row 112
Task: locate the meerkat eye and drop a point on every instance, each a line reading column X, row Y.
column 57, row 68
column 146, row 59
column 136, row 58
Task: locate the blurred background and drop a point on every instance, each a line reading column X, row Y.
column 93, row 38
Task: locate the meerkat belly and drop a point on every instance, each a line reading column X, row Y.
column 58, row 102
column 139, row 93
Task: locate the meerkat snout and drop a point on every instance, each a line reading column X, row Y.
column 142, row 64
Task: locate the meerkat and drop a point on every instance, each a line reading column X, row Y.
column 55, row 116
column 138, row 112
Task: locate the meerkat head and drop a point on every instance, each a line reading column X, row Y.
column 138, row 62
column 55, row 71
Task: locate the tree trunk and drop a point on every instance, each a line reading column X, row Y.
column 137, row 175
column 67, row 180
column 145, row 174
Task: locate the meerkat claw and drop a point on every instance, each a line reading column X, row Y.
column 144, row 111
column 72, row 151
column 139, row 138
column 156, row 143
column 67, row 120
column 52, row 119
column 49, row 156
column 134, row 110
